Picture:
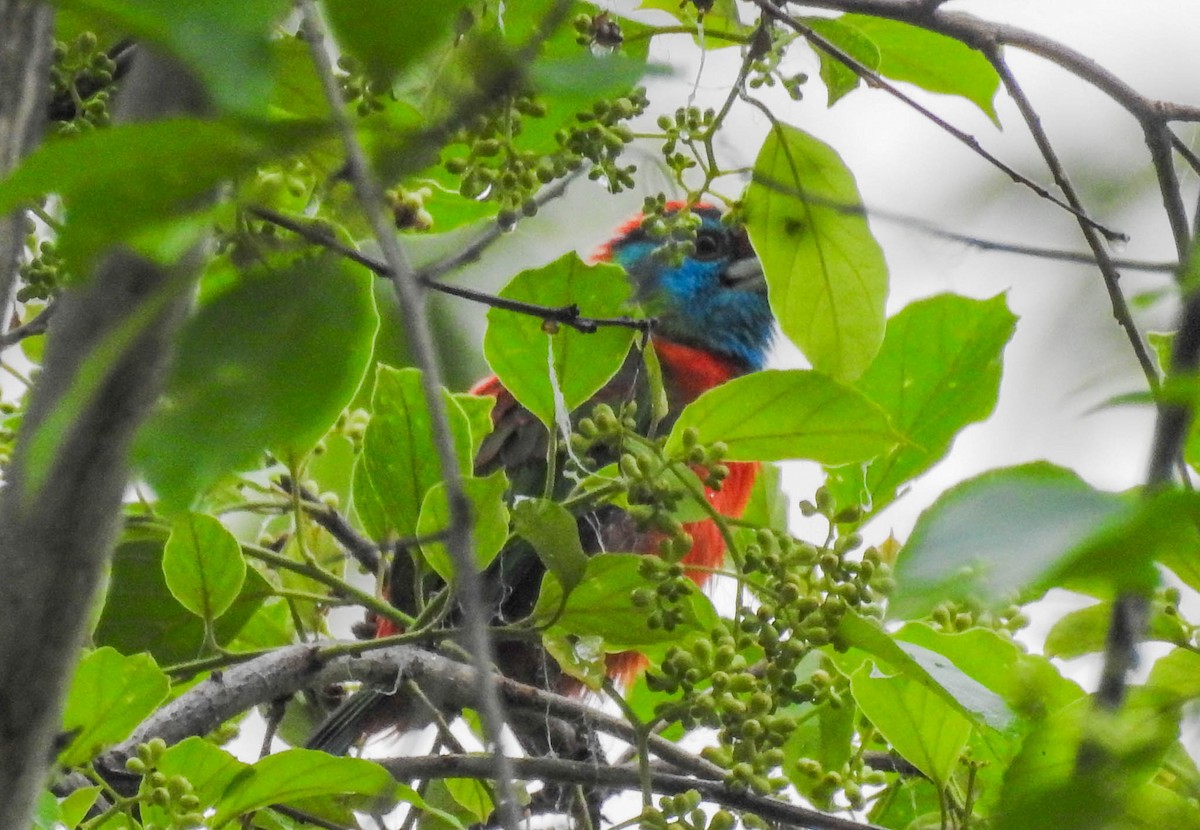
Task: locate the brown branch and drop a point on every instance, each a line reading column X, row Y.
column 450, row 686
column 982, row 34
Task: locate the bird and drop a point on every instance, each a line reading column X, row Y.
column 712, row 323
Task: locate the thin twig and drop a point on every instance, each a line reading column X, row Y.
column 364, row 551
column 474, row 249
column 568, row 315
column 1112, row 279
column 877, row 80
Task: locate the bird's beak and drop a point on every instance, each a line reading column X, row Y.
column 745, row 274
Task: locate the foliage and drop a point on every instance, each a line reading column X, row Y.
column 850, row 671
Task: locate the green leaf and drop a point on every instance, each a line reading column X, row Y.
column 930, row 669
column 269, row 363
column 140, row 613
column 399, row 461
column 523, row 354
column 1177, row 674
column 554, row 534
column 488, row 511
column 297, row 774
column 722, row 16
column 1085, row 631
column 937, row 371
column 225, row 42
column 932, row 61
column 74, row 808
column 784, row 414
column 388, row 38
column 921, row 726
column 110, row 695
column 156, row 171
column 203, row 565
column 826, row 276
column 840, row 79
column 997, row 534
column 601, row 606
column 208, row 768
column 1043, row 790
column 1028, row 683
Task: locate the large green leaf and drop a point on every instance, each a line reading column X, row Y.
column 937, row 371
column 269, row 363
column 155, row 170
column 225, row 42
column 826, row 275
column 922, row 727
column 930, row 60
column 1028, row 683
column 783, row 414
column 399, row 460
column 601, row 606
column 538, row 363
column 141, row 614
column 489, row 516
column 1044, row 790
column 1001, row 533
column 110, row 695
column 933, row 670
column 203, row 565
column 298, row 774
column 554, row 534
column 388, row 37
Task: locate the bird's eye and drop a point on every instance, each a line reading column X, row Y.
column 710, row 245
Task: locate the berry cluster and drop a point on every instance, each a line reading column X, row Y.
column 365, row 94
column 81, row 84
column 765, row 70
column 495, row 167
column 173, row 793
column 741, row 678
column 683, row 812
column 42, row 274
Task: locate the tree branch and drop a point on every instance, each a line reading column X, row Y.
column 620, row 778
column 57, row 536
column 25, row 53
